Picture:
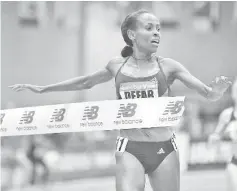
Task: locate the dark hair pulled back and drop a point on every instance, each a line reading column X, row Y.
column 129, row 23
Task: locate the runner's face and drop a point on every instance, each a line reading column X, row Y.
column 147, row 33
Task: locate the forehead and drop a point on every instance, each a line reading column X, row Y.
column 148, row 18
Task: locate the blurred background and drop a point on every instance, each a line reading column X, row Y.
column 47, row 42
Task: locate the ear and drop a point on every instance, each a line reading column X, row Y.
column 131, row 34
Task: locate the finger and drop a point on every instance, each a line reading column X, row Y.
column 13, row 87
column 16, row 86
column 228, row 79
column 223, row 77
column 223, row 80
column 20, row 89
column 218, row 80
column 228, row 83
column 16, row 89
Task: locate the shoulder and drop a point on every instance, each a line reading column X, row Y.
column 116, row 60
column 170, row 65
column 115, row 63
column 169, row 62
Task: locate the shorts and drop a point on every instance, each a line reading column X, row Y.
column 150, row 154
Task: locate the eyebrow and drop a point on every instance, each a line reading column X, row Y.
column 153, row 24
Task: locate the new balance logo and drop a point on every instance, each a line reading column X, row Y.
column 58, row 115
column 161, row 151
column 27, row 117
column 173, row 107
column 90, row 113
column 2, row 117
column 127, row 111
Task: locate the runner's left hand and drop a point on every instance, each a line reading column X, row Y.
column 220, row 84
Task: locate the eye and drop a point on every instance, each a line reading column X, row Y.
column 149, row 28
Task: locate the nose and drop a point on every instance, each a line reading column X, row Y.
column 156, row 33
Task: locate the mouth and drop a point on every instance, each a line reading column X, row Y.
column 155, row 42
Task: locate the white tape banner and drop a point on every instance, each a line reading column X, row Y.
column 92, row 116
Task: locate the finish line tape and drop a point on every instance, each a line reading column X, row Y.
column 92, row 116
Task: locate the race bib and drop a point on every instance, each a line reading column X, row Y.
column 133, row 90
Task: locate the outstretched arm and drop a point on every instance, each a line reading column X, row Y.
column 78, row 83
column 212, row 92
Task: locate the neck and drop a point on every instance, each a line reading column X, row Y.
column 138, row 55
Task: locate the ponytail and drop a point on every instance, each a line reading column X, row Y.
column 129, row 23
column 127, row 51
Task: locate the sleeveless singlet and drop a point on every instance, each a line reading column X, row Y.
column 153, row 86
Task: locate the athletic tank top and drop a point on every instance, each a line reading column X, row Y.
column 153, row 86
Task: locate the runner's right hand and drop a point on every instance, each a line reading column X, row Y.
column 21, row 87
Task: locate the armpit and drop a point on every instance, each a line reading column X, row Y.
column 114, row 64
column 168, row 66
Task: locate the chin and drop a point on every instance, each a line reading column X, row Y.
column 150, row 50
column 154, row 50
